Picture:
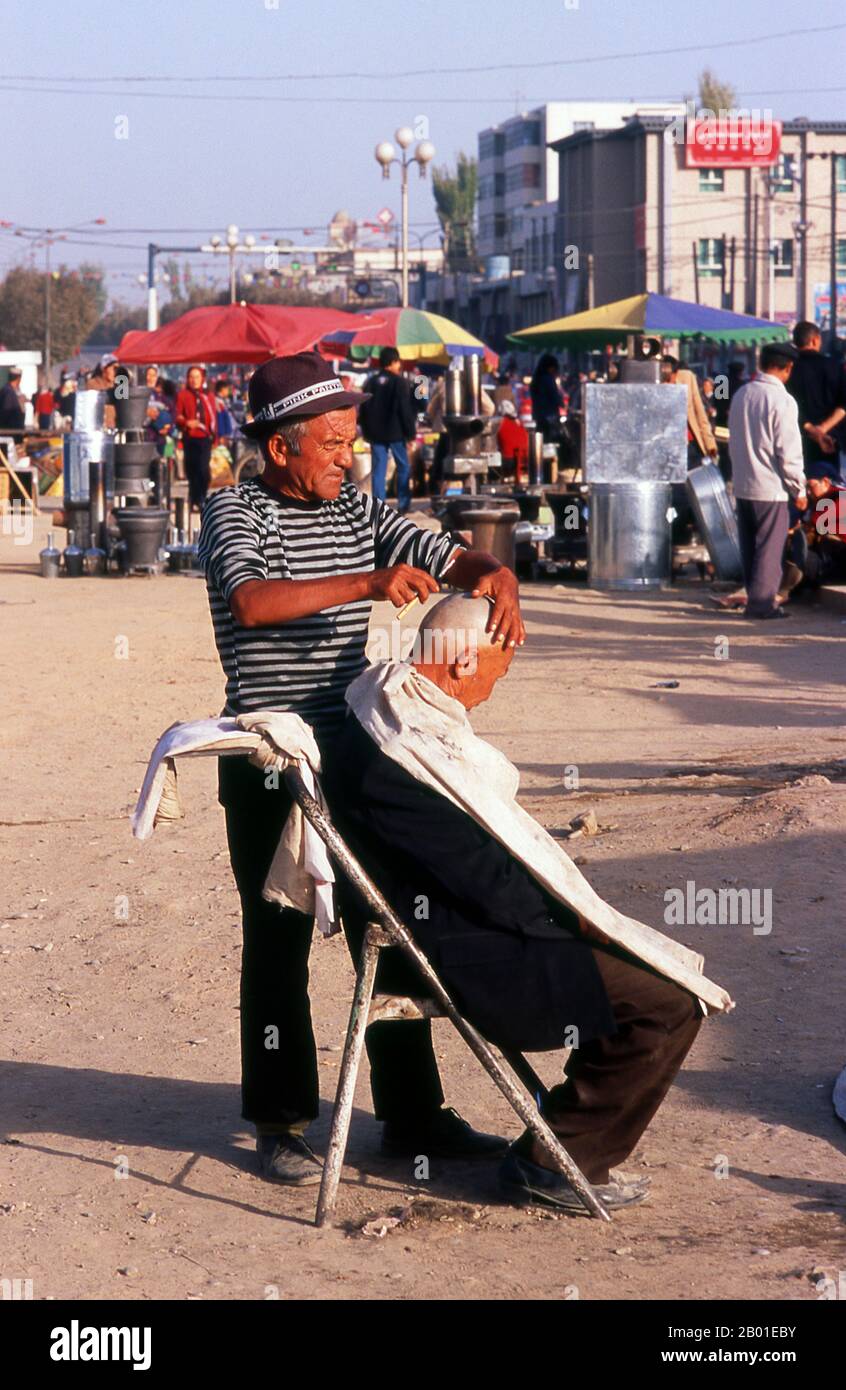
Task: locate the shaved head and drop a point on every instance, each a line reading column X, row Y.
column 453, row 649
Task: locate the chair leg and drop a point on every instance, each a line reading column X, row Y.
column 399, row 934
column 350, row 1062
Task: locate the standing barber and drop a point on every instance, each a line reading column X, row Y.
column 294, row 559
column 767, row 468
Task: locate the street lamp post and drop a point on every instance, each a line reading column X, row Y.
column 49, row 235
column 386, row 155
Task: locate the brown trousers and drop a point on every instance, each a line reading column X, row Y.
column 614, row 1085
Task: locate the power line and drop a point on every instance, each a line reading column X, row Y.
column 382, row 76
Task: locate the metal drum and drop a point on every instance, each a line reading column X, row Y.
column 79, row 449
column 629, row 536
column 715, row 520
column 492, row 526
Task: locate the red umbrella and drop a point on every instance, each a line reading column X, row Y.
column 235, row 333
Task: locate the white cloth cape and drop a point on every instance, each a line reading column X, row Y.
column 301, row 874
column 428, row 733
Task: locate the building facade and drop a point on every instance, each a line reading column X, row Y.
column 634, row 214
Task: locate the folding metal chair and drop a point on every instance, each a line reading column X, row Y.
column 388, row 930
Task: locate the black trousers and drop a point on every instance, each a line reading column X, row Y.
column 762, row 529
column 279, row 1079
column 197, row 455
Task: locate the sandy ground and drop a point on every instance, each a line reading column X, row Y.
column 120, row 1036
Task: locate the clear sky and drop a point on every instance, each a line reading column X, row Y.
column 265, row 112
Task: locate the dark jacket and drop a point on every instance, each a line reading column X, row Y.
column 12, row 416
column 510, row 956
column 390, row 414
column 818, row 385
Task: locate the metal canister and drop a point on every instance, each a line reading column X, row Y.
column 97, row 498
column 454, row 390
column 50, row 559
column 74, row 558
column 535, row 458
column 472, row 385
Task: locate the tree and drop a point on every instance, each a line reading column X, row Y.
column 120, row 319
column 455, row 203
column 715, row 95
column 74, row 299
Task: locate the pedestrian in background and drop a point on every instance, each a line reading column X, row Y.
column 389, row 423
column 818, row 385
column 196, row 417
column 547, row 400
column 767, row 468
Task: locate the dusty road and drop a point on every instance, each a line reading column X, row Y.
column 125, row 1169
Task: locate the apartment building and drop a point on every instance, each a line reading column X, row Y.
column 636, row 213
column 518, row 168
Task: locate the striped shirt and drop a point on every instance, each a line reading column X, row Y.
column 305, row 665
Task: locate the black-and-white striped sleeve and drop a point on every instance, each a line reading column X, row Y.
column 232, row 548
column 400, row 542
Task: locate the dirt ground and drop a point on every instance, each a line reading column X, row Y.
column 126, row 1170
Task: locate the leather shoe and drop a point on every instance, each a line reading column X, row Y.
column 443, row 1135
column 527, row 1184
column 287, row 1158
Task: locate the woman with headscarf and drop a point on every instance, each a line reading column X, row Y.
column 196, row 417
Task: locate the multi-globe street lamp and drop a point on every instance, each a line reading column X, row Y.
column 386, row 155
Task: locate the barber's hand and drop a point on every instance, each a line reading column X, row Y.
column 401, row 583
column 800, row 502
column 505, row 621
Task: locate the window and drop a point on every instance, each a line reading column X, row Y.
column 522, row 176
column 783, row 257
column 840, row 161
column 783, row 175
column 841, row 253
column 709, row 259
column 711, row 180
column 583, row 125
column 525, row 133
column 491, row 144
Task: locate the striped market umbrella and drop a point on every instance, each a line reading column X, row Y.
column 417, row 334
column 656, row 316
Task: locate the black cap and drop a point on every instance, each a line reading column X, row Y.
column 289, row 388
column 780, row 352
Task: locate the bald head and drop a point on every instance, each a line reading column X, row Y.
column 453, row 649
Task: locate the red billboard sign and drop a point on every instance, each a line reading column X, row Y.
column 736, row 142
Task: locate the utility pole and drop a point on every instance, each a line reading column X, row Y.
column 723, row 271
column 831, row 155
column 832, row 342
column 731, row 280
column 695, row 270
column 48, row 312
column 590, row 279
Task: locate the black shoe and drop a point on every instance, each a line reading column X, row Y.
column 526, row 1184
column 287, row 1158
column 444, row 1135
column 778, row 612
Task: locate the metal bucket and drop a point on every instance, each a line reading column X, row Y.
column 131, row 407
column 715, row 520
column 629, row 544
column 142, row 529
column 492, row 528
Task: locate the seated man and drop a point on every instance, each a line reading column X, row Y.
column 530, row 954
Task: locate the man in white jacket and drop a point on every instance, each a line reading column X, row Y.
column 765, row 445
